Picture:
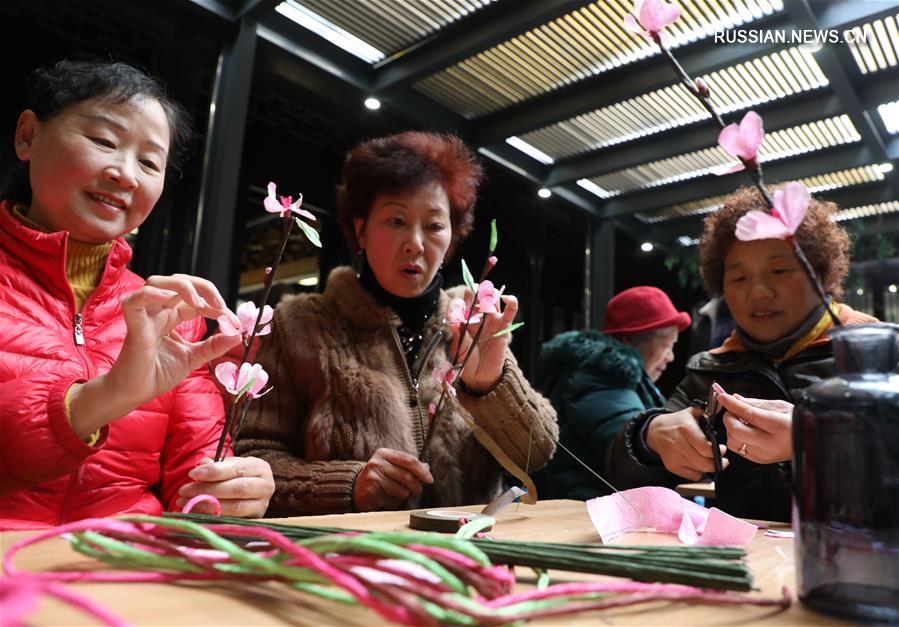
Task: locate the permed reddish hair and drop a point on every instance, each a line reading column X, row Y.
column 823, row 241
column 403, row 163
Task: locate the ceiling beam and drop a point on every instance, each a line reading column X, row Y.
column 516, row 162
column 667, row 234
column 326, row 57
column 615, row 85
column 844, row 197
column 215, row 8
column 793, row 168
column 464, row 38
column 860, row 195
column 804, row 17
column 793, row 111
column 582, row 200
column 525, row 167
column 308, row 47
column 256, row 9
column 685, row 139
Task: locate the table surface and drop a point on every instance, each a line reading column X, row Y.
column 705, row 489
column 771, row 561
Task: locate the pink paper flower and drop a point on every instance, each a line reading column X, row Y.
column 651, row 16
column 237, row 381
column 741, row 141
column 247, row 313
column 488, row 297
column 286, row 206
column 790, row 205
column 445, row 373
column 457, row 312
column 226, row 327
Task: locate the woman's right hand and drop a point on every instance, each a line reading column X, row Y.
column 154, row 358
column 388, row 479
column 680, row 442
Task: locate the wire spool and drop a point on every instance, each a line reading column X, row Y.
column 440, row 520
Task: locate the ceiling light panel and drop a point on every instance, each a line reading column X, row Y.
column 580, row 44
column 868, row 211
column 874, row 45
column 777, row 145
column 386, row 27
column 889, row 113
column 815, row 184
column 771, row 77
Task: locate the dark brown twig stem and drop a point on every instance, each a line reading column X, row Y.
column 228, row 428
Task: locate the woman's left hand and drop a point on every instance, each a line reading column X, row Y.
column 760, row 430
column 243, row 486
column 484, row 369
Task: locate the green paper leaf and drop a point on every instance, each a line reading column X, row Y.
column 244, row 389
column 466, row 276
column 509, row 329
column 310, row 233
column 494, row 236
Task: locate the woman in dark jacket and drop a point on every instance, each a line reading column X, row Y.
column 779, row 348
column 597, row 381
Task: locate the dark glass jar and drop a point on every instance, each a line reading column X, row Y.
column 846, row 480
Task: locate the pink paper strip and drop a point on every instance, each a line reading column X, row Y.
column 668, row 512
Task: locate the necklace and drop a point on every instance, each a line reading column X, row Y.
column 411, row 342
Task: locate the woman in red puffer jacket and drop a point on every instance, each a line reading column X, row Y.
column 106, row 405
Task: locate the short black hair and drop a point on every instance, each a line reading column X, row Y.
column 52, row 89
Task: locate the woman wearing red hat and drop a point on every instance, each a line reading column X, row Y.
column 598, row 381
column 779, row 348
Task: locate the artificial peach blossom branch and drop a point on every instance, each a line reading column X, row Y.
column 287, row 207
column 653, row 16
column 485, row 298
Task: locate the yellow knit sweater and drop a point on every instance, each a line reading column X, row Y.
column 84, row 262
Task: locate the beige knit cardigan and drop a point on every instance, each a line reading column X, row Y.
column 342, row 390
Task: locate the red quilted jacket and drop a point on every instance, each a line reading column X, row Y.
column 49, row 476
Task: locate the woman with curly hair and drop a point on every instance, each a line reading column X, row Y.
column 780, row 347
column 345, row 425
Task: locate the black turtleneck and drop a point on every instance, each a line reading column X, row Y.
column 413, row 312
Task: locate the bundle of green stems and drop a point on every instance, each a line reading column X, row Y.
column 717, row 568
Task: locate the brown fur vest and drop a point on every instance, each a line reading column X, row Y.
column 342, row 390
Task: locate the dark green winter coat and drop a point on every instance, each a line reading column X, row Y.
column 596, row 385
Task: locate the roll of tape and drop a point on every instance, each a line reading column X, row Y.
column 439, row 520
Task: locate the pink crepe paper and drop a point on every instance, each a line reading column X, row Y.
column 488, row 296
column 203, row 498
column 790, row 206
column 651, row 16
column 457, row 312
column 235, row 380
column 286, row 205
column 668, row 512
column 741, row 141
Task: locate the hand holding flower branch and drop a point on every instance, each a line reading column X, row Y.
column 476, row 362
column 245, row 381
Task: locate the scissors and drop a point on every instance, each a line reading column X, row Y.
column 712, row 412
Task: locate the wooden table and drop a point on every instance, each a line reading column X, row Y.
column 771, row 560
column 705, row 489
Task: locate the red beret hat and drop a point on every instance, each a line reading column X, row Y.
column 640, row 309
